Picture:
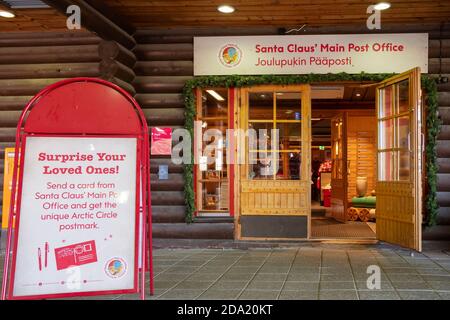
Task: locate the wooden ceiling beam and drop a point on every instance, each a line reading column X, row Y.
column 96, row 21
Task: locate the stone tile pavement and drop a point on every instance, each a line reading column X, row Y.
column 303, row 272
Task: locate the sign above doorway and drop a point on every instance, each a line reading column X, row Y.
column 353, row 53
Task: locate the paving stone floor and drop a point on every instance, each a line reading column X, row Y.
column 305, row 272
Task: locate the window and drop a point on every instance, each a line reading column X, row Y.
column 274, row 151
column 212, row 171
column 394, row 132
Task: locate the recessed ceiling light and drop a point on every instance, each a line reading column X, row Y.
column 225, row 8
column 216, row 96
column 6, row 14
column 382, row 6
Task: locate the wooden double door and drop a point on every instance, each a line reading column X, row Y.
column 274, row 182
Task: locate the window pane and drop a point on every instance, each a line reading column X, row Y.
column 289, row 166
column 386, row 166
column 214, row 103
column 289, row 136
column 386, row 134
column 288, row 105
column 403, row 96
column 215, row 195
column 263, row 166
column 403, row 165
column 385, row 102
column 260, row 106
column 402, row 132
column 212, row 170
column 262, row 139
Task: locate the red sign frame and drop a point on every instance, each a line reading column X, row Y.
column 48, row 116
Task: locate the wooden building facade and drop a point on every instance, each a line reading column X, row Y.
column 153, row 63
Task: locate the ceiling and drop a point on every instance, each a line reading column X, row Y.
column 173, row 13
column 279, row 13
column 32, row 19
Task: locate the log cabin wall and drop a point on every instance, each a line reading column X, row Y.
column 31, row 61
column 165, row 61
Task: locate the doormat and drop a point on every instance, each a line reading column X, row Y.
column 330, row 228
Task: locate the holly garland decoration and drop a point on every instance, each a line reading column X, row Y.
column 236, row 81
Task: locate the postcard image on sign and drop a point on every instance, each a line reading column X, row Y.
column 75, row 255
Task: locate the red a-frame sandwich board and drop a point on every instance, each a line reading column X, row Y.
column 71, row 112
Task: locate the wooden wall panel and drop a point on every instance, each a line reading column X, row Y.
column 361, row 152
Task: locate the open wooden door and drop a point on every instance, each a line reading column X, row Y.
column 339, row 167
column 399, row 171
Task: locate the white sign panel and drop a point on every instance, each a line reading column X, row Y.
column 254, row 55
column 77, row 216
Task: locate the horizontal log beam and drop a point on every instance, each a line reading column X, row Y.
column 164, row 68
column 443, row 217
column 155, row 39
column 37, row 39
column 193, row 230
column 24, row 87
column 9, row 118
column 49, row 54
column 443, row 149
column 173, row 84
column 95, row 21
column 437, row 233
column 165, row 117
column 439, row 48
column 164, row 198
column 443, row 181
column 444, row 165
column 49, row 70
column 156, row 162
column 444, row 133
column 437, row 65
column 175, row 182
column 150, row 52
column 444, row 114
column 168, row 214
column 443, row 198
column 13, row 102
column 167, row 100
column 7, row 135
column 443, row 99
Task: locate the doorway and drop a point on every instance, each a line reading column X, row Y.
column 375, row 185
column 343, row 159
column 367, row 138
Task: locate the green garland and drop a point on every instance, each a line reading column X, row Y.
column 433, row 124
column 244, row 81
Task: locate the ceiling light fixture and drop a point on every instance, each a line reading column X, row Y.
column 6, row 14
column 382, row 6
column 225, row 8
column 216, row 96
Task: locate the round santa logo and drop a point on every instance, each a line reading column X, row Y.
column 230, row 55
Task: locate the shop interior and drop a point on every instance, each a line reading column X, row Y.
column 343, row 156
